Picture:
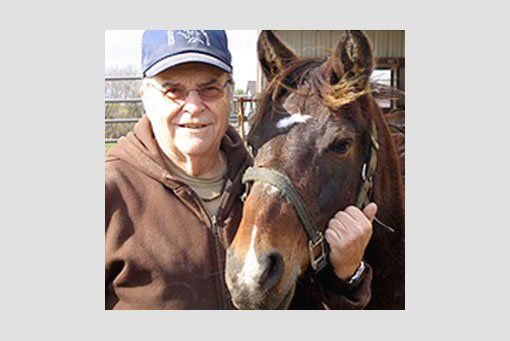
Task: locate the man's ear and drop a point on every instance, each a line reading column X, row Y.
column 273, row 54
column 145, row 100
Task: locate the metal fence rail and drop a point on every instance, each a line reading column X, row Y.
column 121, row 120
column 123, row 78
column 123, row 100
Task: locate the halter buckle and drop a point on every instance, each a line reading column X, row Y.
column 246, row 190
column 319, row 262
column 375, row 143
column 364, row 173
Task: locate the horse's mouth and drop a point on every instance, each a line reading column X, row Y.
column 284, row 304
column 269, row 303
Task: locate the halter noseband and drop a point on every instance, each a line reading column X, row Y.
column 285, row 186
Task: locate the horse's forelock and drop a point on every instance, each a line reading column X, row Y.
column 316, row 74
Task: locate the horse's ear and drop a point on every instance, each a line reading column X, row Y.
column 273, row 54
column 352, row 61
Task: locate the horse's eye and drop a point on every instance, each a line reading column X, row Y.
column 340, row 146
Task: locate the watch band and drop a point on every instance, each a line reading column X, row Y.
column 357, row 275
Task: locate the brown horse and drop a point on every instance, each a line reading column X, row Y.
column 317, row 124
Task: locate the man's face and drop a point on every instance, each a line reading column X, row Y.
column 189, row 125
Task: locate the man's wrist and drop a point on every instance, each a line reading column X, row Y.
column 354, row 276
column 357, row 275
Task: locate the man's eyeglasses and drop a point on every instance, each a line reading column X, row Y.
column 177, row 94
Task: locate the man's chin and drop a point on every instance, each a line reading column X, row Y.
column 194, row 147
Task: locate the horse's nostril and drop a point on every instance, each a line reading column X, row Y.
column 273, row 269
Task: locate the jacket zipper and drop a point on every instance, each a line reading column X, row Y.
column 220, row 281
column 219, row 274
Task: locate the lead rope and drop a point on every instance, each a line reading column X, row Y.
column 391, row 229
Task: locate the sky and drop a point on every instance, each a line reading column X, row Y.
column 123, row 48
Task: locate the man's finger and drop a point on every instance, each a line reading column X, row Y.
column 346, row 219
column 357, row 214
column 370, row 211
column 337, row 228
column 332, row 236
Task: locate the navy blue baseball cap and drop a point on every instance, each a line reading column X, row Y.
column 163, row 49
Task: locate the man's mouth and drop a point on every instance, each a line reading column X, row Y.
column 193, row 125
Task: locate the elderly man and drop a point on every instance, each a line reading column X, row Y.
column 183, row 163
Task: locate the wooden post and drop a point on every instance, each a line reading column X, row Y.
column 240, row 117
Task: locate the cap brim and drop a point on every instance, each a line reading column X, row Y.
column 182, row 58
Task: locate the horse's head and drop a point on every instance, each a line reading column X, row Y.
column 313, row 124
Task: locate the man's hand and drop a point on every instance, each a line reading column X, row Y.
column 348, row 234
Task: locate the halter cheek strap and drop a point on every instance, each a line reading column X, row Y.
column 368, row 170
column 367, row 176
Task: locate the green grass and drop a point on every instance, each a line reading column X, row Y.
column 107, row 146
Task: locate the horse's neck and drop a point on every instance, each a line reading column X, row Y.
column 386, row 250
column 388, row 189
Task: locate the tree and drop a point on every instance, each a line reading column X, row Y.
column 121, row 90
column 239, row 92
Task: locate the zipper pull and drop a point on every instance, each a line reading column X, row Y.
column 214, row 225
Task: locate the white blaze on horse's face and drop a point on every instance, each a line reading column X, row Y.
column 292, row 119
column 292, row 105
column 251, row 267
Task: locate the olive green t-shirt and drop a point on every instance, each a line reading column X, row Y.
column 210, row 191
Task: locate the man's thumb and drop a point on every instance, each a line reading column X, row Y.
column 370, row 211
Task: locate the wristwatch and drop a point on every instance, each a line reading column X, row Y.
column 357, row 275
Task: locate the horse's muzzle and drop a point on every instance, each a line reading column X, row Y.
column 250, row 282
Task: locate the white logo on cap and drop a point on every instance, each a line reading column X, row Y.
column 191, row 36
column 170, row 37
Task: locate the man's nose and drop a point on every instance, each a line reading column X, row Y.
column 193, row 103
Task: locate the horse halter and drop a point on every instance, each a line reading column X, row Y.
column 285, row 186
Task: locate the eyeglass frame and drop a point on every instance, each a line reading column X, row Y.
column 179, row 100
